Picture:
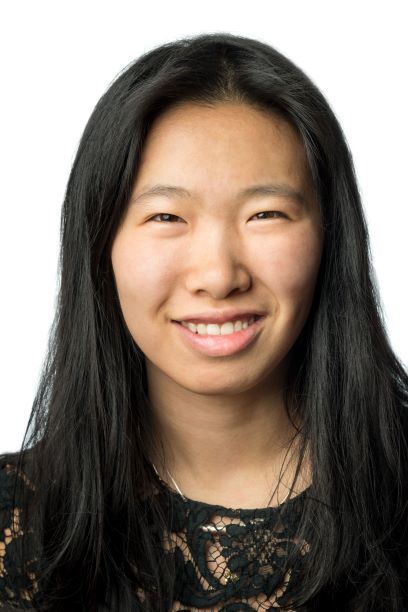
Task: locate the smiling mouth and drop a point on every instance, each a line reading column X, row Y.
column 221, row 345
column 216, row 331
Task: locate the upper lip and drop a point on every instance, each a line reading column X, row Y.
column 214, row 316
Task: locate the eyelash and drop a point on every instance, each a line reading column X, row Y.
column 175, row 216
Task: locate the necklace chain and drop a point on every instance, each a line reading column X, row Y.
column 183, row 496
column 174, row 482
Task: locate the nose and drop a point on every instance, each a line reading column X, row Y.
column 218, row 267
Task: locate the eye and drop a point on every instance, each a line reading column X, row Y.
column 164, row 215
column 275, row 212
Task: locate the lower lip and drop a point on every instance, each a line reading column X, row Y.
column 220, row 346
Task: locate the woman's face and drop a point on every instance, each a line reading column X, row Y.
column 176, row 255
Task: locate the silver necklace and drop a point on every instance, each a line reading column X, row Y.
column 183, row 496
column 173, row 481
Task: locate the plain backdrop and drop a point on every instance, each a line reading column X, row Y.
column 57, row 59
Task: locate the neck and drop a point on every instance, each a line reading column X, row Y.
column 219, row 445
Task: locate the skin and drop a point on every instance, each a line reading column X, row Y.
column 221, row 419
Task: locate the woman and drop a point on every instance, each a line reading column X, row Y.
column 221, row 422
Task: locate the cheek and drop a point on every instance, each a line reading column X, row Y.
column 291, row 265
column 141, row 274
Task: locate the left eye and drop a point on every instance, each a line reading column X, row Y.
column 275, row 212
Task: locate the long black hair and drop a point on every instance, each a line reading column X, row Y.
column 90, row 434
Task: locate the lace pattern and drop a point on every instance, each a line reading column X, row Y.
column 232, row 559
column 17, row 585
column 227, row 560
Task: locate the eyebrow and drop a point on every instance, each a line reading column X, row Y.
column 280, row 189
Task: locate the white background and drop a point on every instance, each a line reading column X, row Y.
column 57, row 58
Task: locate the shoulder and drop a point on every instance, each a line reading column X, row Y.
column 11, row 475
column 17, row 576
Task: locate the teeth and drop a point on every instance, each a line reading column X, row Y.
column 213, row 329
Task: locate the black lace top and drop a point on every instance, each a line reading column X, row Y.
column 232, row 559
column 16, row 583
column 226, row 559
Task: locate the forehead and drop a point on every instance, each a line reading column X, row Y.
column 219, row 119
column 222, row 145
